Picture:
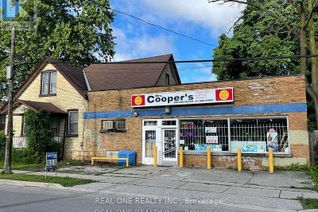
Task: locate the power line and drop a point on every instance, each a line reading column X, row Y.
column 240, row 59
column 163, row 28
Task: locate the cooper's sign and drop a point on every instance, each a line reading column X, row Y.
column 189, row 97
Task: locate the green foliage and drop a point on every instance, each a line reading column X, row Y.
column 75, row 31
column 39, row 135
column 313, row 173
column 64, row 181
column 269, row 28
column 309, row 203
column 259, row 34
column 293, row 167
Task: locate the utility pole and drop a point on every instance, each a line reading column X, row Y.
column 10, row 77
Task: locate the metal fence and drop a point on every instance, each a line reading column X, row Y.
column 21, row 141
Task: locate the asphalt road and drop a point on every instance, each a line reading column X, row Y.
column 35, row 199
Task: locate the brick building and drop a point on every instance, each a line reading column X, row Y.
column 259, row 113
column 138, row 106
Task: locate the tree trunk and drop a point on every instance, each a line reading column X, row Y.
column 302, row 39
column 314, row 60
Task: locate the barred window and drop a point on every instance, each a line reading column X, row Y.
column 251, row 135
column 201, row 134
column 113, row 125
column 258, row 134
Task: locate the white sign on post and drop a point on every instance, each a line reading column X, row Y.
column 212, row 139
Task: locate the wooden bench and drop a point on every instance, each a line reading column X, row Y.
column 107, row 158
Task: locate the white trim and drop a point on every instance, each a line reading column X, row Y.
column 86, row 81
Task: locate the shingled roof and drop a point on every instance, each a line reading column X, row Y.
column 124, row 76
column 37, row 106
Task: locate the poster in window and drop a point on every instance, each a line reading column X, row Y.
column 212, row 139
column 210, row 130
column 272, row 139
column 204, row 147
column 248, row 146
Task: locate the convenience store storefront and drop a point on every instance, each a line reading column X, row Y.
column 252, row 115
column 252, row 135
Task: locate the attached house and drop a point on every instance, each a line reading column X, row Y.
column 62, row 90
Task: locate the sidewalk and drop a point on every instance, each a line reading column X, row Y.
column 255, row 190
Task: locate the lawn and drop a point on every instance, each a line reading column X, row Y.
column 39, row 166
column 26, row 167
column 64, row 181
column 309, row 203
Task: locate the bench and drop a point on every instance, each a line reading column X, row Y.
column 108, row 158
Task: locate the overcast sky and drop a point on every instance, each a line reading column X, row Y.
column 196, row 18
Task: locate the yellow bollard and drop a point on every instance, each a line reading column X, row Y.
column 271, row 160
column 155, row 156
column 181, row 157
column 209, row 158
column 239, row 160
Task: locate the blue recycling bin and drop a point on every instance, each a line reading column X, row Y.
column 130, row 154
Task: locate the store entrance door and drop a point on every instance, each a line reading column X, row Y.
column 169, row 141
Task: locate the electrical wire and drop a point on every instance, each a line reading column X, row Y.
column 242, row 59
column 161, row 27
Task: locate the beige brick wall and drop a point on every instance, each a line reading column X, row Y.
column 274, row 90
column 67, row 97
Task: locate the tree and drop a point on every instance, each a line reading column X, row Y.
column 272, row 28
column 39, row 134
column 75, row 31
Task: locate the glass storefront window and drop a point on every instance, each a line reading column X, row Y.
column 150, row 123
column 169, row 123
column 150, row 141
column 252, row 135
column 257, row 135
column 201, row 134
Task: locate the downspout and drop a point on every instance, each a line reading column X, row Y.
column 85, row 103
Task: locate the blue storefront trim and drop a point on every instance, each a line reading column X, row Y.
column 201, row 111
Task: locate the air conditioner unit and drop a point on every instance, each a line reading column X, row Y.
column 108, row 125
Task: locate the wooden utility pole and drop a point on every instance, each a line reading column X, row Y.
column 10, row 77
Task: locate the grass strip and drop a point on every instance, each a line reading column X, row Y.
column 309, row 203
column 64, row 181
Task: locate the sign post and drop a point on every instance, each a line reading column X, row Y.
column 51, row 162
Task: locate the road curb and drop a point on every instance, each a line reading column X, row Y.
column 33, row 184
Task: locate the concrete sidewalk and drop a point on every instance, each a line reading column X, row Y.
column 259, row 191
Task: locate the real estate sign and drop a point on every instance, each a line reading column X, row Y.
column 51, row 161
column 189, row 97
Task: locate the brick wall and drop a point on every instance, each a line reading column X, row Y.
column 273, row 90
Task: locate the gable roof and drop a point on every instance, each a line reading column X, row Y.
column 124, row 76
column 74, row 75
